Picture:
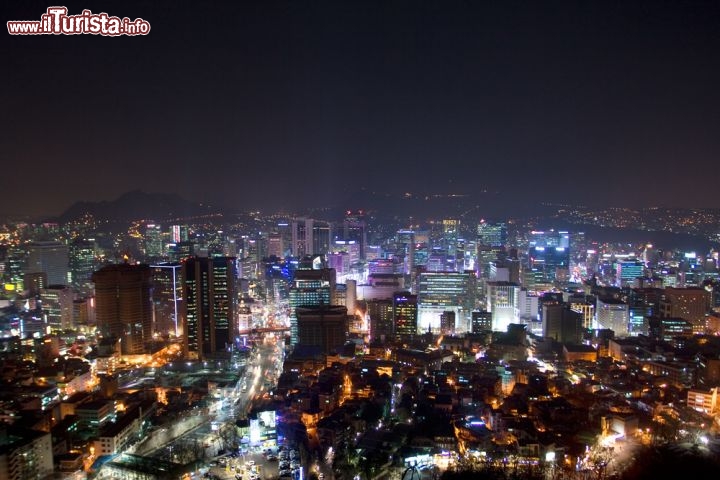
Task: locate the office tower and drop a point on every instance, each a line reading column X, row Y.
column 691, row 304
column 209, row 306
column 153, row 241
column 34, row 282
column 441, row 291
column 405, row 244
column 492, row 234
column 354, row 228
column 528, row 307
column 613, row 315
column 51, row 258
column 177, row 252
column 167, row 288
column 340, row 261
column 382, row 325
column 15, row 266
column 25, row 454
column 284, row 229
column 323, row 326
column 502, row 301
column 450, row 237
column 82, row 264
column 585, row 306
column 351, row 296
column 302, row 238
column 349, row 247
column 627, row 271
column 81, row 315
column 642, row 304
column 57, row 306
column 179, row 233
column 481, row 321
column 561, row 323
column 549, row 253
column 321, row 238
column 669, row 329
column 123, row 305
column 405, row 314
column 447, row 323
column 310, row 288
column 275, row 246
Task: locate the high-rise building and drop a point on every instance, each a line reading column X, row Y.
column 310, row 288
column 442, row 291
column 321, row 238
column 492, row 234
column 179, row 233
column 57, row 306
column 209, row 306
column 627, row 271
column 82, row 264
column 123, row 305
column 275, row 247
column 405, row 314
column 613, row 315
column 561, row 323
column 25, row 454
column 167, row 295
column 51, row 258
column 691, row 304
column 354, row 229
column 481, row 321
column 302, row 237
column 447, row 323
column 34, row 282
column 405, row 242
column 502, row 301
column 382, row 326
column 323, row 326
column 153, row 241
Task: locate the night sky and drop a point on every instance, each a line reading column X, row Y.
column 266, row 104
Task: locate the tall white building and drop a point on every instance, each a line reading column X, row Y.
column 613, row 315
column 503, row 302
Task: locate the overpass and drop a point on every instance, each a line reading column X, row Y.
column 253, row 331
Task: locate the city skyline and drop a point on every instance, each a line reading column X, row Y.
column 285, row 104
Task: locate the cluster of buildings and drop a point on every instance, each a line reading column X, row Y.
column 489, row 339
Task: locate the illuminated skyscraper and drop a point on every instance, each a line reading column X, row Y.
column 310, row 288
column 153, row 241
column 492, row 234
column 57, row 306
column 167, row 290
column 503, row 303
column 613, row 315
column 123, row 305
column 446, row 291
column 405, row 314
column 209, row 306
column 82, row 264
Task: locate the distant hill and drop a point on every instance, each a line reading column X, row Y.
column 136, row 205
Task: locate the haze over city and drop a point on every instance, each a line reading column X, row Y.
column 277, row 104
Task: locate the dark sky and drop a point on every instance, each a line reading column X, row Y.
column 270, row 103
